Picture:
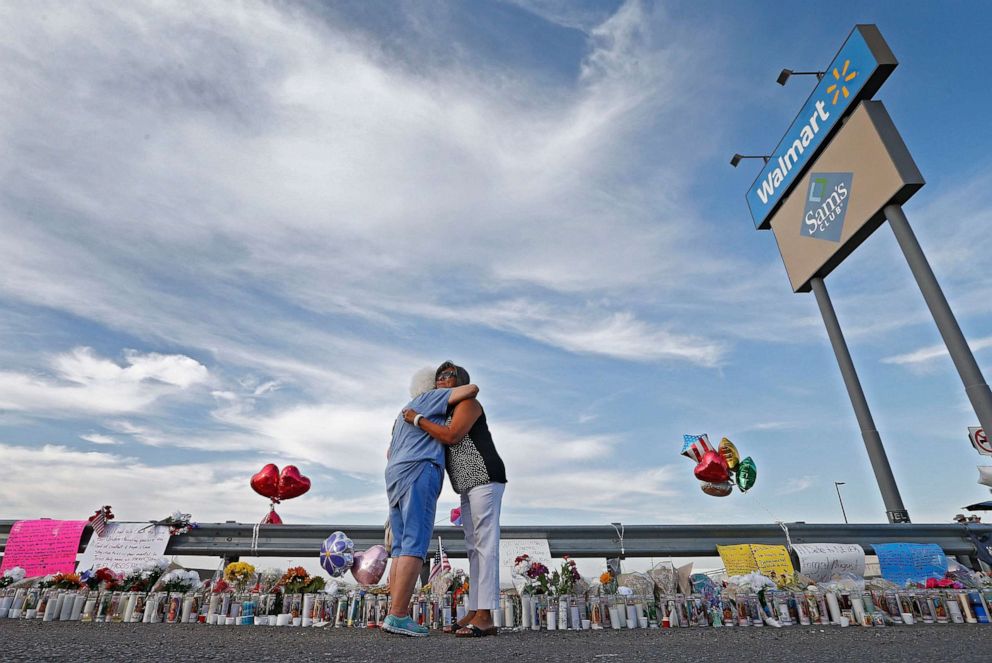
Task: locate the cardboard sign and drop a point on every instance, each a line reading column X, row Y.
column 41, row 547
column 902, row 562
column 510, row 549
column 738, row 560
column 770, row 561
column 822, row 561
column 125, row 546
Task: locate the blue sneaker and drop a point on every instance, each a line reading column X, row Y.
column 403, row 626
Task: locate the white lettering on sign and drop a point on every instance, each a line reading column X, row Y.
column 791, row 156
column 822, row 561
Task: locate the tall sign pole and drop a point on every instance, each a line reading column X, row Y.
column 971, row 375
column 894, row 509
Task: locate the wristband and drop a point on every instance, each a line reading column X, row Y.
column 416, row 420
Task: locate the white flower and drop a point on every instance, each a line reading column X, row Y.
column 624, row 590
column 178, row 515
column 16, row 574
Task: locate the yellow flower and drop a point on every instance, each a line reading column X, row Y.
column 238, row 571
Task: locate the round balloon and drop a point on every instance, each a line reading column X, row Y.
column 720, row 489
column 729, row 453
column 712, row 468
column 747, row 473
column 369, row 565
column 337, row 554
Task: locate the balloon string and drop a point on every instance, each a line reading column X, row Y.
column 254, row 538
column 780, row 523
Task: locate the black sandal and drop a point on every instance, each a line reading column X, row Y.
column 473, row 631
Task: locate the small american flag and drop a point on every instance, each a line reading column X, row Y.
column 696, row 446
column 440, row 562
column 98, row 521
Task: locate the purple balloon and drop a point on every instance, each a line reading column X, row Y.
column 336, row 554
column 369, row 565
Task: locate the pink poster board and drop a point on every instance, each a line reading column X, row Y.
column 44, row 546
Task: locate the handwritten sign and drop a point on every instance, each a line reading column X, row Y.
column 822, row 561
column 902, row 562
column 43, row 546
column 738, row 560
column 510, row 549
column 125, row 546
column 771, row 561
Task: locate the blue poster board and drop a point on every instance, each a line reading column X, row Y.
column 913, row 562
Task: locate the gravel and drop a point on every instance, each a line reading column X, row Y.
column 37, row 641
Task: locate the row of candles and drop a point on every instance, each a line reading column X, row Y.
column 361, row 609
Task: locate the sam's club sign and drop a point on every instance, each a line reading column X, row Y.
column 857, row 71
column 826, row 205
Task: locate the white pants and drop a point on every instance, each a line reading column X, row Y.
column 480, row 522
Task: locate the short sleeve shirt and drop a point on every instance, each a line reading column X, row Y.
column 411, row 447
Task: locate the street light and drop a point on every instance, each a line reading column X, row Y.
column 837, row 485
column 786, row 73
column 736, row 159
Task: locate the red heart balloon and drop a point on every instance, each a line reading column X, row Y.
column 266, row 481
column 712, row 468
column 292, row 483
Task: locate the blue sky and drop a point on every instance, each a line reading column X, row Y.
column 232, row 232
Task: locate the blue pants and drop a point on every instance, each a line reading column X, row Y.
column 412, row 517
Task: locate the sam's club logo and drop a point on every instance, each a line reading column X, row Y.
column 826, row 205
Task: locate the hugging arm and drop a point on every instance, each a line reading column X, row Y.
column 464, row 416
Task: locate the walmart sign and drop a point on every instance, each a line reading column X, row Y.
column 857, row 71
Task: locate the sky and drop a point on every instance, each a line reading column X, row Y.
column 233, row 231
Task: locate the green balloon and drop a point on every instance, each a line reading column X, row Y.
column 747, row 473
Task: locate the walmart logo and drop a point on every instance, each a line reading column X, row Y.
column 826, row 205
column 841, row 78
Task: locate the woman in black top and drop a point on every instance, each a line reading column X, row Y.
column 477, row 474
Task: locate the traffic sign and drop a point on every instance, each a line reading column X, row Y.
column 980, row 440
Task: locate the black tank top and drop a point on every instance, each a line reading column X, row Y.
column 473, row 461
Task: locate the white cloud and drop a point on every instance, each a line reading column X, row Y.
column 928, row 354
column 97, row 438
column 86, row 383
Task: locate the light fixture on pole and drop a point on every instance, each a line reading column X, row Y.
column 787, row 73
column 736, row 159
column 837, row 485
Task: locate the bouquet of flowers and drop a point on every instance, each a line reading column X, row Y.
column 608, row 582
column 178, row 523
column 535, row 574
column 102, row 578
column 239, row 574
column 66, row 581
column 10, row 576
column 296, row 580
column 179, row 580
column 143, row 578
column 563, row 580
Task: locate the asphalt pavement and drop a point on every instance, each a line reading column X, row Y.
column 37, row 641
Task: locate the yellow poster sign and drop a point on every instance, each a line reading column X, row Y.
column 771, row 561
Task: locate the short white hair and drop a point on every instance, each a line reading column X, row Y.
column 422, row 381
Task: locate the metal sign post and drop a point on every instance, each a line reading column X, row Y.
column 974, row 383
column 894, row 509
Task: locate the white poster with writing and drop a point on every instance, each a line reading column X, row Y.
column 125, row 546
column 822, row 561
column 510, row 549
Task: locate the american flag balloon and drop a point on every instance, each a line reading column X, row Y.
column 695, row 447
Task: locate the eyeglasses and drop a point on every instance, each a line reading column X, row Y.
column 446, row 375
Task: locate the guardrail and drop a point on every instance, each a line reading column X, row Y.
column 232, row 540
